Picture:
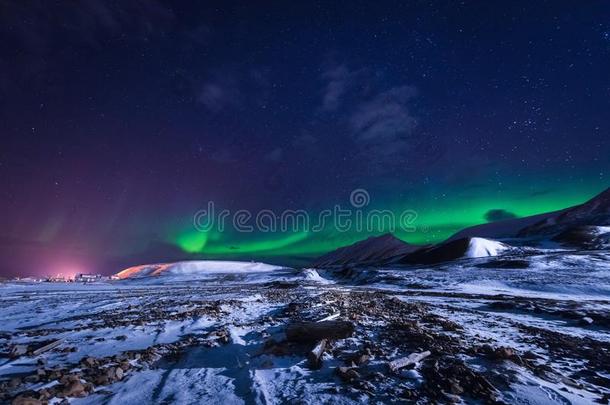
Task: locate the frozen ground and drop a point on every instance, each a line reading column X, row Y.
column 517, row 329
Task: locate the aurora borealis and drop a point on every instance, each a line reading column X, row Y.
column 436, row 221
column 120, row 120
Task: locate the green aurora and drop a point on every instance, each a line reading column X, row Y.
column 438, row 217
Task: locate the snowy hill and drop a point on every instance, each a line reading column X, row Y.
column 457, row 249
column 507, row 228
column 387, row 249
column 595, row 212
column 481, row 247
column 586, row 237
column 193, row 269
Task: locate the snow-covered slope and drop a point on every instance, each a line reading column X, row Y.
column 481, row 247
column 313, row 275
column 507, row 228
column 194, row 269
column 595, row 212
column 457, row 249
column 586, row 237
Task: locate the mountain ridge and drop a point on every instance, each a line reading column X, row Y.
column 374, row 249
column 565, row 226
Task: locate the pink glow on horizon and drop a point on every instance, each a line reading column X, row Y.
column 67, row 269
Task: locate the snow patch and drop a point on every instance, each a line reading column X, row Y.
column 600, row 230
column 194, row 268
column 313, row 275
column 481, row 247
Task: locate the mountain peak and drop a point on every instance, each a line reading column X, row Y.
column 375, row 249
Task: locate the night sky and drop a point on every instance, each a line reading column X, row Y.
column 120, row 119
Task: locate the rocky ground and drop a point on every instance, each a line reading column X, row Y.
column 294, row 341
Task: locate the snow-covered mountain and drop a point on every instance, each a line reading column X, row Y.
column 387, row 249
column 457, row 249
column 585, row 226
column 595, row 212
column 507, row 228
column 194, row 268
column 374, row 250
column 586, row 237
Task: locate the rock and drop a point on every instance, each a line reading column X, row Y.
column 378, row 376
column 446, row 378
column 14, row 382
column 408, row 393
column 53, row 375
column 221, row 335
column 47, row 347
column 530, row 355
column 18, row 350
column 571, row 382
column 315, row 331
column 74, row 389
column 44, row 394
column 347, row 373
column 89, row 361
column 23, row 400
column 31, row 379
column 68, row 378
column 500, row 353
column 411, row 374
column 455, row 388
column 101, row 379
column 410, row 360
column 111, row 374
column 366, row 386
column 314, row 356
column 362, row 359
column 118, row 373
column 504, row 353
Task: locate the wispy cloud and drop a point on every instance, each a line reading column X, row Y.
column 378, row 117
column 338, row 78
column 385, row 122
column 220, row 93
column 382, row 127
column 275, row 155
column 229, row 88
